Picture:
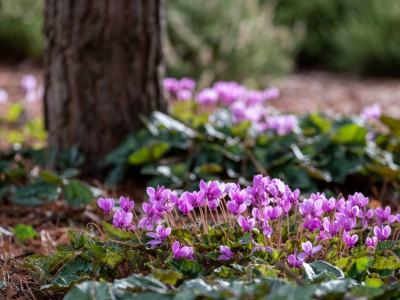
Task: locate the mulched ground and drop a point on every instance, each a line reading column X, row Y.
column 301, row 92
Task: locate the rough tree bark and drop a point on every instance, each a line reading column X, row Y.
column 103, row 68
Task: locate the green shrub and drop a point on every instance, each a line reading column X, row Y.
column 320, row 19
column 21, row 29
column 369, row 42
column 233, row 40
column 357, row 35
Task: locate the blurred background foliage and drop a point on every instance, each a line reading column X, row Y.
column 358, row 36
column 21, row 29
column 227, row 40
column 239, row 40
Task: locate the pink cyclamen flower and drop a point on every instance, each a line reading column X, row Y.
column 29, row 83
column 184, row 95
column 195, row 199
column 106, row 204
column 366, row 216
column 207, row 96
column 382, row 233
column 296, row 260
column 332, row 229
column 372, row 242
column 309, row 250
column 3, row 96
column 350, row 240
column 384, row 215
column 229, row 92
column 187, row 83
column 247, row 224
column 358, row 199
column 182, row 252
column 184, row 206
column 235, row 208
column 272, row 213
column 312, row 223
column 160, row 235
column 226, row 253
column 271, row 93
column 125, row 204
column 372, row 112
column 171, row 85
column 122, row 219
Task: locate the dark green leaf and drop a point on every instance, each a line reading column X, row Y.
column 77, row 193
column 73, row 272
column 105, row 255
column 290, row 292
column 382, row 246
column 393, row 124
column 89, row 290
column 35, row 194
column 51, row 177
column 190, row 268
column 117, row 234
column 140, row 283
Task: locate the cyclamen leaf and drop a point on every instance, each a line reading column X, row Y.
column 289, row 292
column 77, row 193
column 190, row 268
column 149, row 153
column 89, row 290
column 351, row 133
column 51, row 177
column 319, row 265
column 360, row 266
column 76, row 271
column 393, row 124
column 118, row 234
column 35, row 194
column 105, row 255
column 141, row 283
column 167, row 276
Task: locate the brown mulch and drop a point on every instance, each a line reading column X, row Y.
column 300, row 92
column 312, row 91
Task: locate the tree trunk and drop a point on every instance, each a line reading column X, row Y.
column 103, row 69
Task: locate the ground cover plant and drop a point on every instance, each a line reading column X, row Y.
column 230, row 241
column 231, row 132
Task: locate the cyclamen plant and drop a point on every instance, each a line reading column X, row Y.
column 244, row 104
column 268, row 211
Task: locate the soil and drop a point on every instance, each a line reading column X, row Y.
column 300, row 92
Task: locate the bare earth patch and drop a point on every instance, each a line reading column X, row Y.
column 321, row 91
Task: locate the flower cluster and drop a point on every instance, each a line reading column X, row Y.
column 244, row 104
column 262, row 208
column 180, row 89
column 372, row 112
column 33, row 91
column 3, row 96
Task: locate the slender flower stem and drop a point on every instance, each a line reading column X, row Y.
column 215, row 222
column 135, row 216
column 140, row 241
